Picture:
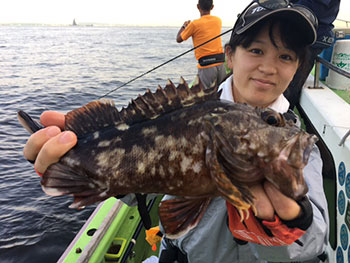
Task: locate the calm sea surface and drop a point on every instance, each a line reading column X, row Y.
column 61, row 68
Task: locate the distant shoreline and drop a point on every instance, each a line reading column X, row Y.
column 82, row 25
column 337, row 24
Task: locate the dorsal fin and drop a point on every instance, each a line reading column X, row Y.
column 100, row 114
column 167, row 99
column 92, row 117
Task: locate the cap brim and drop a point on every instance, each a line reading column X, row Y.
column 296, row 17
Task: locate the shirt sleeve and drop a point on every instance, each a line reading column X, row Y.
column 188, row 32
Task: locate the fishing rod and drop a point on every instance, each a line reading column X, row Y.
column 164, row 63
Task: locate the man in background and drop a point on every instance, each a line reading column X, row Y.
column 210, row 56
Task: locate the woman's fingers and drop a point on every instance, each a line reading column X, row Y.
column 48, row 145
column 53, row 118
column 54, row 149
column 269, row 200
column 37, row 140
column 262, row 203
column 285, row 207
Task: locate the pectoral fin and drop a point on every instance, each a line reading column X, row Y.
column 178, row 216
column 221, row 163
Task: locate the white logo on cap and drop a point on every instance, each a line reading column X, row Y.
column 257, row 9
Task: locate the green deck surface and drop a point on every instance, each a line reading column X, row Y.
column 119, row 234
column 344, row 94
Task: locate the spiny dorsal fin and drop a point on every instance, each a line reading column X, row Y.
column 100, row 114
column 167, row 99
column 92, row 117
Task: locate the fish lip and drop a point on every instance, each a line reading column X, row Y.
column 310, row 141
column 299, row 190
column 291, row 170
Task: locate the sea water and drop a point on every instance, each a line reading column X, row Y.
column 61, row 68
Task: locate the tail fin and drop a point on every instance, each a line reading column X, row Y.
column 60, row 179
column 63, row 179
column 28, row 123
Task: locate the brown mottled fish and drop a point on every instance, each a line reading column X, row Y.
column 179, row 141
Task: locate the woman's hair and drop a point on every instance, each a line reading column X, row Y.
column 289, row 36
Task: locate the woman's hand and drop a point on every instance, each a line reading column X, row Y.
column 269, row 200
column 48, row 145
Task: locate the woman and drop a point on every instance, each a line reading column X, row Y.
column 264, row 53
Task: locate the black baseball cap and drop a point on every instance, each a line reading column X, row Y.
column 302, row 17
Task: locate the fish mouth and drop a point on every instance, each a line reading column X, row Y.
column 287, row 168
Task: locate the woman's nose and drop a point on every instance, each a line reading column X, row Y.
column 268, row 66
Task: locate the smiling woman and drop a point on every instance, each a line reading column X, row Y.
column 266, row 65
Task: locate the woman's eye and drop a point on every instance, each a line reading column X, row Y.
column 286, row 57
column 256, row 51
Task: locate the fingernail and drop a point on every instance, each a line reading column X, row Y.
column 52, row 131
column 66, row 137
column 40, row 174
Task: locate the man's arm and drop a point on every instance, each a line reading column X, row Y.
column 178, row 37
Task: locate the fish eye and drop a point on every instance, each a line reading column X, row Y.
column 272, row 120
column 272, row 117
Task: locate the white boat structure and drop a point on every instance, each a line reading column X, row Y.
column 326, row 112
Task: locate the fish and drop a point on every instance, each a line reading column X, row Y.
column 179, row 141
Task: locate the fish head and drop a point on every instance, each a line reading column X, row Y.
column 286, row 170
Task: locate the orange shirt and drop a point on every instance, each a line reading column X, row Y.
column 201, row 30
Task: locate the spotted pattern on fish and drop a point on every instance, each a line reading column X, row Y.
column 123, row 127
column 186, row 163
column 103, row 159
column 73, row 162
column 103, row 143
column 149, row 131
column 197, row 167
column 141, row 167
column 96, row 135
column 182, row 142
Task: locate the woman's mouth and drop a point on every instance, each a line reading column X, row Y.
column 263, row 83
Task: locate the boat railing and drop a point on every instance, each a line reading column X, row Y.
column 330, row 66
column 347, row 22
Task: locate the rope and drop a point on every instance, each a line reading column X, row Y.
column 164, row 63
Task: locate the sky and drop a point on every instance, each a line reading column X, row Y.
column 128, row 12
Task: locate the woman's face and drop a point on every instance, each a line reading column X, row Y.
column 262, row 71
